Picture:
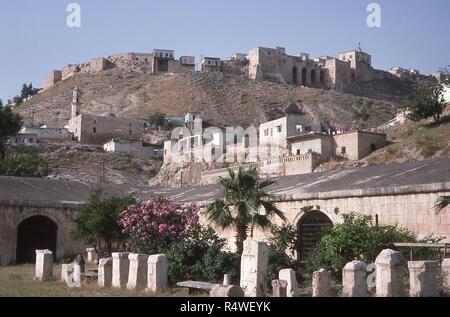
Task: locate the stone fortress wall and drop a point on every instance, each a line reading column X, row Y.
column 261, row 63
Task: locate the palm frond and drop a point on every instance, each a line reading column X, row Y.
column 442, row 203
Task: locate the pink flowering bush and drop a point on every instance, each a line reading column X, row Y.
column 153, row 225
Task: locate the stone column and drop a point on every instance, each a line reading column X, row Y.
column 254, row 264
column 289, row 276
column 77, row 268
column 44, row 265
column 137, row 276
column 279, row 288
column 105, row 272
column 66, row 270
column 121, row 266
column 91, row 255
column 423, row 278
column 226, row 291
column 446, row 274
column 321, row 283
column 226, row 279
column 390, row 269
column 157, row 273
column 354, row 279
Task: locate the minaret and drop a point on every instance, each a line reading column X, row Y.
column 76, row 102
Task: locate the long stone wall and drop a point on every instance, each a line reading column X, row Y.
column 411, row 207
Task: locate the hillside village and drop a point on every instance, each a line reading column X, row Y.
column 300, row 135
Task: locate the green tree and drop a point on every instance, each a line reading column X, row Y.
column 247, row 205
column 363, row 113
column 23, row 164
column 10, row 124
column 1, row 103
column 97, row 222
column 426, row 101
column 158, row 119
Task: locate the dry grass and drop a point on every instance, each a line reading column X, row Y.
column 17, row 281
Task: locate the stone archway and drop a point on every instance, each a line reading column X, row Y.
column 304, row 76
column 35, row 233
column 295, row 75
column 313, row 77
column 310, row 228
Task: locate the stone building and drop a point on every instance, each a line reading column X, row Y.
column 91, row 129
column 47, row 135
column 22, row 138
column 274, row 64
column 132, row 147
column 211, row 65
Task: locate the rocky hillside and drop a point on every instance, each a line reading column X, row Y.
column 222, row 99
column 90, row 163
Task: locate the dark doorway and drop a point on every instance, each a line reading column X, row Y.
column 322, row 77
column 35, row 233
column 295, row 76
column 313, row 77
column 304, row 76
column 163, row 65
column 310, row 229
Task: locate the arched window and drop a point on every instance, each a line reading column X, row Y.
column 310, row 229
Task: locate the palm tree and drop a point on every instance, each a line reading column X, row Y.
column 247, row 205
column 442, row 202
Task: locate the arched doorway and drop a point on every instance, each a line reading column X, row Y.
column 313, row 77
column 310, row 228
column 295, row 76
column 35, row 233
column 304, row 76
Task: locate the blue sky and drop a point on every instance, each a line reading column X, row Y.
column 34, row 37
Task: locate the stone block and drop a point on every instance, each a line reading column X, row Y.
column 354, row 279
column 254, row 265
column 105, row 272
column 446, row 275
column 279, row 288
column 66, row 271
column 321, row 283
column 44, row 265
column 137, row 276
column 91, row 255
column 423, row 278
column 157, row 273
column 390, row 268
column 121, row 266
column 289, row 276
column 227, row 291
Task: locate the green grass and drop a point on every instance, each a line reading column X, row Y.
column 18, row 281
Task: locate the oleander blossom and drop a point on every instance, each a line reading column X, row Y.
column 156, row 223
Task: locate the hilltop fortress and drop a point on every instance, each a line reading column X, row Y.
column 271, row 64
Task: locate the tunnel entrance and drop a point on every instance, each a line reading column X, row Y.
column 35, row 233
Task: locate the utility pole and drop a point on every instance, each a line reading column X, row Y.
column 103, row 177
column 181, row 179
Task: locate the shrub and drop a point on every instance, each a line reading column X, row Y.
column 153, row 225
column 200, row 256
column 356, row 238
column 282, row 246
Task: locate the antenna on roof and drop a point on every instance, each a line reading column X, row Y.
column 359, row 47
